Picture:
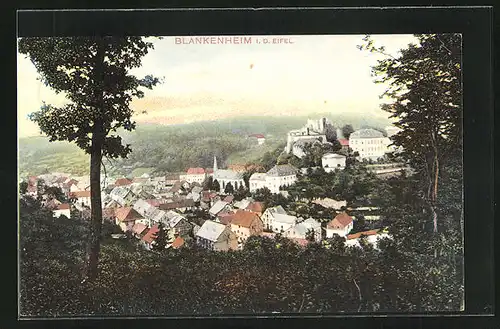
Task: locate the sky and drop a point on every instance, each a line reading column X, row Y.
column 308, row 74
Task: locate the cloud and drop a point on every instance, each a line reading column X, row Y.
column 314, row 74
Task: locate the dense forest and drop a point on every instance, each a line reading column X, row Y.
column 160, row 149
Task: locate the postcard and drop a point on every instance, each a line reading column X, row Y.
column 240, row 174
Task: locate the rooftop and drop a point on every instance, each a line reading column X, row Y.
column 366, row 133
column 228, row 174
column 210, row 230
column 282, row 170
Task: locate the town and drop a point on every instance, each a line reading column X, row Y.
column 219, row 209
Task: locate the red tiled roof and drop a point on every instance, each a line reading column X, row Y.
column 178, row 242
column 183, row 203
column 138, row 228
column 344, row 142
column 80, row 194
column 225, row 217
column 209, row 171
column 151, row 234
column 343, row 219
column 244, row 218
column 63, row 206
column 123, row 181
column 359, row 234
column 257, row 136
column 255, row 206
column 195, row 171
column 228, row 199
column 127, row 214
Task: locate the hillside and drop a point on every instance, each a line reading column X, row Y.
column 176, row 147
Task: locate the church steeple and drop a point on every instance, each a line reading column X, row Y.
column 215, row 164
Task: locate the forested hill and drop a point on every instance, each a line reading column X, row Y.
column 177, row 147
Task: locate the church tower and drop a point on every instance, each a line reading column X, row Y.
column 215, row 164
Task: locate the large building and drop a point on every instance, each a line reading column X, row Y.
column 332, row 161
column 274, row 179
column 369, row 143
column 194, row 175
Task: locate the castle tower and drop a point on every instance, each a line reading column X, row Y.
column 339, row 133
column 215, row 163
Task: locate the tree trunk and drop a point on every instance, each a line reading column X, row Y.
column 96, row 211
column 98, row 136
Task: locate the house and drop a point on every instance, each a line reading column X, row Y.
column 122, row 182
column 144, row 208
column 149, row 238
column 341, row 225
column 302, row 229
column 332, row 161
column 256, row 207
column 126, row 218
column 244, row 224
column 123, row 196
column 159, row 183
column 260, row 138
column 82, row 197
column 170, row 179
column 242, row 204
column 372, row 237
column 330, row 203
column 178, row 224
column 139, row 229
column 32, row 190
column 218, row 207
column 369, row 143
column 180, row 205
column 269, row 215
column 344, row 143
column 276, row 178
column 177, row 243
column 109, row 214
column 52, row 204
column 281, row 222
column 194, row 175
column 62, row 209
column 216, row 236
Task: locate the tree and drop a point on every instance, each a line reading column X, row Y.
column 23, row 187
column 93, row 74
column 216, row 185
column 229, row 189
column 55, row 192
column 262, row 194
column 208, row 183
column 40, row 187
column 347, row 130
column 425, row 89
column 311, row 235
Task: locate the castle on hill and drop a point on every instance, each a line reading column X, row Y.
column 313, row 131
